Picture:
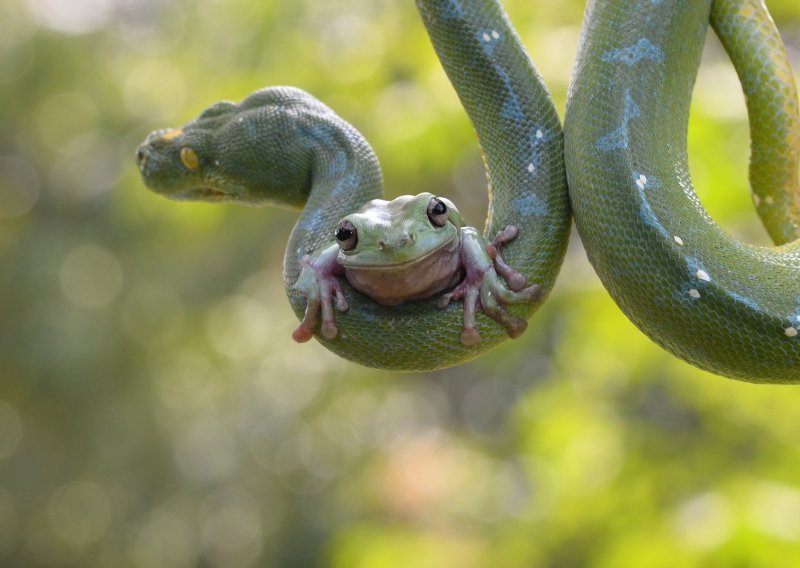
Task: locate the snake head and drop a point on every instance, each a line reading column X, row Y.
column 258, row 151
column 182, row 163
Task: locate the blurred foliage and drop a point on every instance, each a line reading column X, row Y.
column 154, row 411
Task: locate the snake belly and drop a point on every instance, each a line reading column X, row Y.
column 522, row 142
column 723, row 305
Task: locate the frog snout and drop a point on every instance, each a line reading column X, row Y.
column 398, row 241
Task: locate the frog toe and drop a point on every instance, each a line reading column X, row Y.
column 470, row 337
column 302, row 335
column 328, row 330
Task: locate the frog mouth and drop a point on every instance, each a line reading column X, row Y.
column 449, row 246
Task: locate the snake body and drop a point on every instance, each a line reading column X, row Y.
column 283, row 146
column 723, row 305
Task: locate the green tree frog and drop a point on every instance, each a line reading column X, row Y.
column 412, row 248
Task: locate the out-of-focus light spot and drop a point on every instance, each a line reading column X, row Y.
column 64, row 116
column 342, row 42
column 91, row 277
column 154, row 91
column 10, row 429
column 232, row 530
column 206, row 451
column 349, row 422
column 404, row 111
column 482, row 406
column 287, row 463
column 514, row 493
column 153, row 315
column 543, row 481
column 87, row 167
column 239, row 327
column 406, row 413
column 595, row 456
column 73, row 17
column 167, row 540
column 291, row 395
column 419, row 476
column 19, row 187
column 189, row 383
column 704, row 521
column 775, row 510
column 16, row 49
column 14, row 64
column 319, row 456
column 79, row 513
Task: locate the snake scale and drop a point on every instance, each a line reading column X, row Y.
column 725, row 306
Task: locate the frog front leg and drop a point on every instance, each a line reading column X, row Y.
column 483, row 288
column 319, row 284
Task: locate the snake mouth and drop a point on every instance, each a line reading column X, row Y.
column 200, row 194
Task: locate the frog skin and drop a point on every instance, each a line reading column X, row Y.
column 413, row 248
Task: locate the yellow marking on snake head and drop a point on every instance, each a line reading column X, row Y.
column 172, row 134
column 189, row 158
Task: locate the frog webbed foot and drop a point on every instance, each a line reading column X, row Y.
column 489, row 284
column 319, row 284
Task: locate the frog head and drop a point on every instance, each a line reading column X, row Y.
column 403, row 249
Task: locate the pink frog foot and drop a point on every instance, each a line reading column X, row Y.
column 483, row 288
column 319, row 284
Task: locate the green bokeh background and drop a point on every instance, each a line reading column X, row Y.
column 154, row 411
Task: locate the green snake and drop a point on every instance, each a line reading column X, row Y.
column 282, row 146
column 725, row 306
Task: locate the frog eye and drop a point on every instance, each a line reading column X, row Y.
column 346, row 236
column 437, row 212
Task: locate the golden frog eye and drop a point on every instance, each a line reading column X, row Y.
column 189, row 158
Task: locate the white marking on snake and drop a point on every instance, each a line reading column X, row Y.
column 539, row 134
column 694, row 293
column 769, row 200
column 678, row 240
column 790, row 332
column 641, row 181
column 487, row 37
column 495, row 35
column 703, row 275
column 531, row 167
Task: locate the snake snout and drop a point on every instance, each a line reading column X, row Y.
column 141, row 156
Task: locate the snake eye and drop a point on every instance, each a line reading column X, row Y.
column 346, row 236
column 437, row 212
column 189, row 158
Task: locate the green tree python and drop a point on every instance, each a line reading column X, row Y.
column 282, row 146
column 725, row 306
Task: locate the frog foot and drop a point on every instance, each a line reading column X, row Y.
column 489, row 284
column 319, row 284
